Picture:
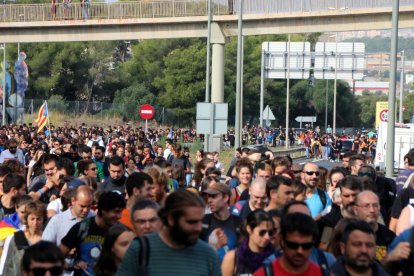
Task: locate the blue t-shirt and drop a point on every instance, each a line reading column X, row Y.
column 315, row 203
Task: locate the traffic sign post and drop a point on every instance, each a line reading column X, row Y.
column 146, row 111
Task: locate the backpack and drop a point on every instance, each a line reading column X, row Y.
column 322, row 197
column 237, row 207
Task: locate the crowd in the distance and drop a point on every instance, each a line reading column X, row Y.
column 119, row 201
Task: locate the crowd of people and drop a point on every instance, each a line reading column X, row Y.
column 119, row 201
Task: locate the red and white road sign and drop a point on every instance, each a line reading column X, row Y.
column 146, row 111
column 384, row 115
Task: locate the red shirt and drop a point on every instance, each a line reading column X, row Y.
column 313, row 270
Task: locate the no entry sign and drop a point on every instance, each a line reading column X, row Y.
column 146, row 111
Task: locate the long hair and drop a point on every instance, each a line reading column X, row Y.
column 106, row 265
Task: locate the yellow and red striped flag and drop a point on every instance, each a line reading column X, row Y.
column 42, row 117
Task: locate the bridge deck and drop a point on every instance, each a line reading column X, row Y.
column 179, row 8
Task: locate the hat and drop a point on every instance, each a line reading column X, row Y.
column 216, row 188
column 75, row 183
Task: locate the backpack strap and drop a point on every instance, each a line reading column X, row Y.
column 84, row 228
column 408, row 181
column 205, row 226
column 322, row 197
column 268, row 269
column 20, row 240
column 323, row 263
column 143, row 255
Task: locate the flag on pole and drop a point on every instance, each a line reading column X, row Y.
column 42, row 117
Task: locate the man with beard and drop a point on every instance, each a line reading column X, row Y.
column 220, row 228
column 317, row 200
column 367, row 208
column 87, row 236
column 176, row 249
column 349, row 186
column 298, row 234
column 12, row 152
column 358, row 249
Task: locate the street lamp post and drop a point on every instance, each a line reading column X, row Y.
column 400, row 118
column 326, row 105
column 4, row 83
column 336, row 70
column 239, row 83
column 208, row 62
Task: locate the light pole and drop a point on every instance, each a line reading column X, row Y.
column 326, row 104
column 334, row 99
column 3, row 46
column 391, row 94
column 239, row 83
column 207, row 95
column 400, row 118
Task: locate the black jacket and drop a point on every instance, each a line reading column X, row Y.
column 338, row 269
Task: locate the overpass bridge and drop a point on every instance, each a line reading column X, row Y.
column 152, row 19
column 156, row 19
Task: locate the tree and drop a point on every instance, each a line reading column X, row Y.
column 128, row 100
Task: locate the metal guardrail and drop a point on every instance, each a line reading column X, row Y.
column 176, row 8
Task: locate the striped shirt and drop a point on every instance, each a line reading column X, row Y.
column 196, row 260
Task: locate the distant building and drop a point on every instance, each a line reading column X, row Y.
column 374, row 87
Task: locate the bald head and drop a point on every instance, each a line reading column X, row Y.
column 310, row 175
column 83, row 191
column 82, row 202
column 257, row 192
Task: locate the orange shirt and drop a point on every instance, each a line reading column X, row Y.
column 126, row 218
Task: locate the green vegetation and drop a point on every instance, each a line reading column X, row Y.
column 170, row 74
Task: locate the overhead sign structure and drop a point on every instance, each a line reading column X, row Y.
column 212, row 118
column 286, row 60
column 146, row 111
column 283, row 60
column 347, row 57
column 381, row 113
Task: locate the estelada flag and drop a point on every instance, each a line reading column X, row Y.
column 42, row 117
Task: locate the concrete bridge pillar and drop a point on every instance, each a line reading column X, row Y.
column 218, row 41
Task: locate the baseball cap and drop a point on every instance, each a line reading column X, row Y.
column 216, row 188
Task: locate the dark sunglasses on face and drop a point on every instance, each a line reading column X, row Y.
column 12, row 147
column 312, row 172
column 41, row 271
column 263, row 232
column 295, row 245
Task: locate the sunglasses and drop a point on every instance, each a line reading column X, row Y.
column 12, row 147
column 270, row 232
column 312, row 172
column 92, row 169
column 295, row 245
column 41, row 271
column 365, row 174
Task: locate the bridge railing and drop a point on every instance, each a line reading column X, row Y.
column 119, row 10
column 175, row 8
